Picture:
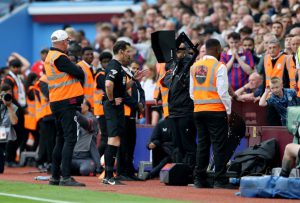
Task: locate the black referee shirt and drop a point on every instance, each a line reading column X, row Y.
column 115, row 73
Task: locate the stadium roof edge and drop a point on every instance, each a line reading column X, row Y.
column 73, row 8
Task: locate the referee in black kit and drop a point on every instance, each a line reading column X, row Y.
column 115, row 89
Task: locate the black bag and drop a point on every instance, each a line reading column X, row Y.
column 256, row 160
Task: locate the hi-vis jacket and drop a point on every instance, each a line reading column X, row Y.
column 278, row 69
column 206, row 97
column 62, row 86
column 88, row 87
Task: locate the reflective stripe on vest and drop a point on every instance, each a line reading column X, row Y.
column 276, row 70
column 30, row 121
column 88, row 86
column 206, row 97
column 61, row 85
column 98, row 97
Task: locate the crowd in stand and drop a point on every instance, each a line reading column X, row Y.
column 260, row 41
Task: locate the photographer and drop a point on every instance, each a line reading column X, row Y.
column 8, row 118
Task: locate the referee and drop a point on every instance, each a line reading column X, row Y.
column 115, row 89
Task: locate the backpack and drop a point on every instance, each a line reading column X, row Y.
column 256, row 160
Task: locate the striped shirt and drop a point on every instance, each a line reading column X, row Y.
column 236, row 75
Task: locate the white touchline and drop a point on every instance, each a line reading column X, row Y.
column 32, row 198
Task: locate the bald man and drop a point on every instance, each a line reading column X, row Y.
column 252, row 90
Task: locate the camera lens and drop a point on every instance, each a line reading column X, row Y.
column 7, row 97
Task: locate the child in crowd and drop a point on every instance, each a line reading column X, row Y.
column 280, row 98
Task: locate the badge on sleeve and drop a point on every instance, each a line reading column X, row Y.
column 201, row 73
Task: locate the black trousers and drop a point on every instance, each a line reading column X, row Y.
column 47, row 129
column 65, row 142
column 126, row 150
column 212, row 129
column 159, row 159
column 273, row 117
column 83, row 167
column 22, row 134
column 184, row 138
column 2, row 157
column 104, row 137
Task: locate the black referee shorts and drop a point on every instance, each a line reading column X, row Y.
column 115, row 119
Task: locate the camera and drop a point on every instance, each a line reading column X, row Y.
column 7, row 97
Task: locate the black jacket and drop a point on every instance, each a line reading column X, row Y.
column 162, row 137
column 137, row 96
column 178, row 82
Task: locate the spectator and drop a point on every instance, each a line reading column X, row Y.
column 239, row 62
column 287, row 44
column 291, row 155
column 248, row 44
column 252, row 90
column 38, row 66
column 278, row 31
column 280, row 98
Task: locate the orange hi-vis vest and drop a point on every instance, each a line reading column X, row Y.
column 38, row 105
column 206, row 97
column 98, row 97
column 164, row 96
column 161, row 69
column 278, row 69
column 15, row 87
column 45, row 104
column 127, row 109
column 30, row 121
column 88, row 87
column 62, row 86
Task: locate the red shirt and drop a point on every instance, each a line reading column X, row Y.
column 38, row 67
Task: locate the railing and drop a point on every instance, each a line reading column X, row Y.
column 253, row 114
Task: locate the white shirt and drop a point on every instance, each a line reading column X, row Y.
column 221, row 82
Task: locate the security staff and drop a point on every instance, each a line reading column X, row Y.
column 212, row 104
column 87, row 59
column 66, row 96
column 115, row 89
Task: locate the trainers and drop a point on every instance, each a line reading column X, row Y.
column 53, row 181
column 112, row 181
column 70, row 182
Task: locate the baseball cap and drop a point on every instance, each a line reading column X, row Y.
column 59, row 35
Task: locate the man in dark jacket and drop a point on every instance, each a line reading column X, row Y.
column 162, row 147
column 181, row 108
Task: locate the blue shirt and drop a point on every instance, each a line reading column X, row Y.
column 280, row 104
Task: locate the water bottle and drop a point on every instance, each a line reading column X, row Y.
column 44, row 178
column 234, row 181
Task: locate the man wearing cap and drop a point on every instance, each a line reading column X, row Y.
column 66, row 96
